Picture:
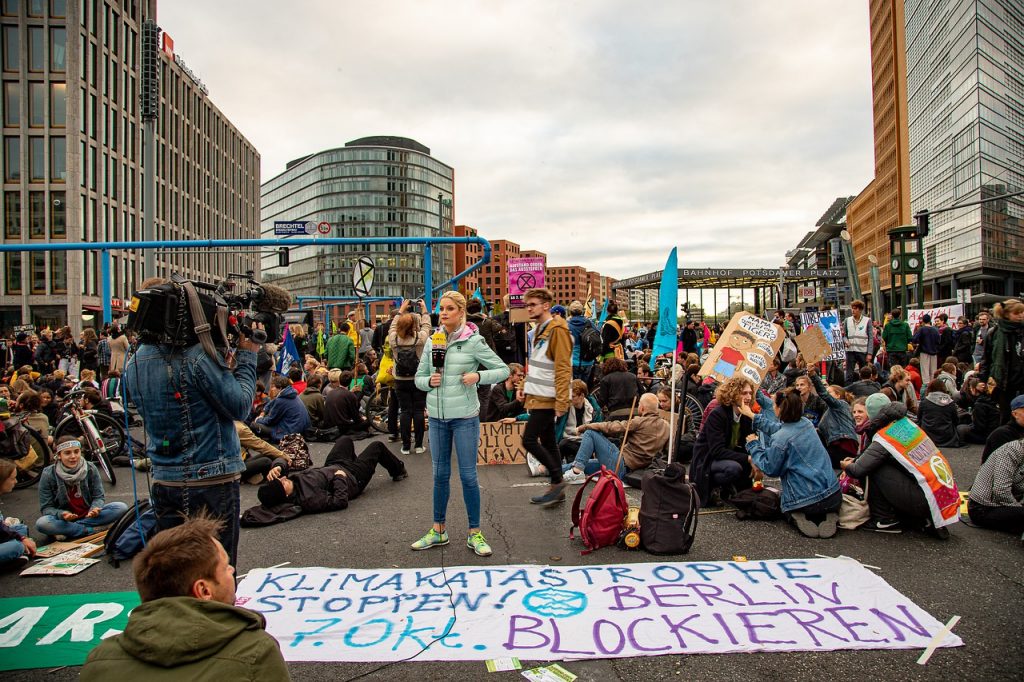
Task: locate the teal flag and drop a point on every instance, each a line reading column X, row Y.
column 604, row 313
column 668, row 304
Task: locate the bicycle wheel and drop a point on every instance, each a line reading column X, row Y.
column 115, row 439
column 102, row 461
column 33, row 455
column 377, row 412
column 694, row 414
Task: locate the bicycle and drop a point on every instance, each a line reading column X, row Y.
column 26, row 447
column 376, row 410
column 102, row 436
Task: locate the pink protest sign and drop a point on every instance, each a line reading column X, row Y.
column 524, row 274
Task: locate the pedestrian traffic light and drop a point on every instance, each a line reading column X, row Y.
column 922, row 223
column 282, row 257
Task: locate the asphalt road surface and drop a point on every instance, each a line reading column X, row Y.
column 976, row 574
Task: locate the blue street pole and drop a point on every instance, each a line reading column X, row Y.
column 105, row 274
column 428, row 279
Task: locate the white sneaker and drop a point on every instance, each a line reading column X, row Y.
column 573, row 478
column 420, row 450
column 405, row 451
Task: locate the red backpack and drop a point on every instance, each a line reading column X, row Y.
column 602, row 519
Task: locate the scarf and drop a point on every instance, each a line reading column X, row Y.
column 455, row 334
column 71, row 476
column 1001, row 343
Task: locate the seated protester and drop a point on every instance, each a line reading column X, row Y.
column 795, row 370
column 187, row 627
column 298, row 380
column 814, row 406
column 774, row 380
column 584, row 410
column 362, row 382
column 1012, row 430
column 284, row 414
column 71, row 496
column 860, row 419
column 984, row 415
column 333, row 382
column 342, row 408
column 894, row 495
column 92, row 400
column 15, row 544
column 647, row 438
column 947, row 374
column 866, row 386
column 32, row 403
column 314, row 402
column 501, row 402
column 997, row 496
column 50, row 406
column 342, row 478
column 913, row 368
column 87, row 379
column 617, row 389
column 644, row 378
column 258, row 454
column 786, row 445
column 837, row 428
column 903, row 391
column 968, row 394
column 938, row 417
column 719, row 458
column 110, row 388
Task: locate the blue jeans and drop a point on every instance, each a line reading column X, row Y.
column 220, row 501
column 604, row 452
column 53, row 525
column 464, row 435
column 12, row 549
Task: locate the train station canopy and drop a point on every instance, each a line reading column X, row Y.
column 732, row 278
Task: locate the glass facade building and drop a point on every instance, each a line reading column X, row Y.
column 965, row 93
column 371, row 187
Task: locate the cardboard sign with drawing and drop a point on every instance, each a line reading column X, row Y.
column 745, row 348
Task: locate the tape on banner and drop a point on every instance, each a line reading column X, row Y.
column 937, row 639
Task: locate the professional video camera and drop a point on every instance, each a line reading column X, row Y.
column 167, row 313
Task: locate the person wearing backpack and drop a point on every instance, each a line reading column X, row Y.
column 586, row 343
column 612, row 333
column 408, row 335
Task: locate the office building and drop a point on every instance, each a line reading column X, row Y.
column 72, row 159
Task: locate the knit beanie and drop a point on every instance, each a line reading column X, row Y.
column 272, row 493
column 875, row 402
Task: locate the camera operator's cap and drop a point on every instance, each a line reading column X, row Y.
column 1017, row 403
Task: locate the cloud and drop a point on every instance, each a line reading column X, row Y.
column 598, row 133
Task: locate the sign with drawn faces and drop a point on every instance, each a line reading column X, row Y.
column 746, row 349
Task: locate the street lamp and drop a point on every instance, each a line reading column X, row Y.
column 877, row 303
column 851, row 264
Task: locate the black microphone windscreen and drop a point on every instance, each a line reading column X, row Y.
column 274, row 300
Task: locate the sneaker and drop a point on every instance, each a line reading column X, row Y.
column 828, row 527
column 477, row 543
column 405, row 451
column 880, row 526
column 420, row 450
column 803, row 524
column 400, row 477
column 554, row 495
column 939, row 533
column 573, row 478
column 433, row 538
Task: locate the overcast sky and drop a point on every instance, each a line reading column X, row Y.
column 602, row 133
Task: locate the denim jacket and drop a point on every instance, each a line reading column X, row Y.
column 53, row 492
column 201, row 442
column 837, row 422
column 794, row 453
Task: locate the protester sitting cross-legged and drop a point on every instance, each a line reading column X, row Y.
column 187, row 627
column 502, row 402
column 71, row 496
column 342, row 408
column 938, row 416
column 342, row 478
column 584, row 410
column 997, row 496
column 617, row 389
column 720, row 462
column 258, row 454
column 15, row 544
column 984, row 414
column 647, row 437
column 786, row 445
column 284, row 414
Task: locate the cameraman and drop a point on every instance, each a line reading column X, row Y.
column 189, row 403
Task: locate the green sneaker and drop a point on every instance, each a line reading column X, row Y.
column 433, row 538
column 477, row 543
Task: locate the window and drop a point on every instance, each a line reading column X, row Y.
column 13, row 270
column 58, row 216
column 58, row 49
column 12, row 159
column 11, row 7
column 12, row 215
column 37, row 104
column 12, row 49
column 59, row 272
column 58, row 159
column 35, row 48
column 36, row 215
column 12, row 103
column 58, row 8
column 38, row 272
column 36, row 159
column 58, row 105
column 37, row 8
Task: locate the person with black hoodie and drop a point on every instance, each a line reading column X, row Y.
column 1011, row 430
column 720, row 460
column 938, row 417
column 984, row 417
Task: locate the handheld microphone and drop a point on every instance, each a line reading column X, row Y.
column 438, row 349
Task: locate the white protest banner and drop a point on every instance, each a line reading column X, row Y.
column 914, row 315
column 558, row 613
column 828, row 322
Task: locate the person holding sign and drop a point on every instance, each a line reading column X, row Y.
column 449, row 370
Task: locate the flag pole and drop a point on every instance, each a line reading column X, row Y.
column 672, row 408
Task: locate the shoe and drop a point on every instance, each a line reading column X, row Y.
column 420, row 450
column 394, row 438
column 400, row 477
column 433, row 538
column 879, row 526
column 477, row 543
column 939, row 533
column 803, row 524
column 573, row 478
column 405, row 451
column 554, row 495
column 23, row 561
column 828, row 527
column 714, row 498
column 60, row 538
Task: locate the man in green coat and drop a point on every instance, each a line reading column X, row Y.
column 341, row 352
column 896, row 338
column 187, row 627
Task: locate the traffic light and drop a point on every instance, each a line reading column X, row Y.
column 282, row 257
column 922, row 223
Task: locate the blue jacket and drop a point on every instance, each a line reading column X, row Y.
column 927, row 338
column 837, row 422
column 467, row 353
column 285, row 414
column 794, row 453
column 577, row 324
column 201, row 441
column 53, row 492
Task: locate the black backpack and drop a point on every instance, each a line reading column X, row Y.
column 590, row 344
column 123, row 540
column 668, row 512
column 406, row 361
column 753, row 503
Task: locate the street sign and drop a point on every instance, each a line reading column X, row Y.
column 362, row 276
column 806, row 292
column 291, row 228
column 963, row 295
column 323, row 227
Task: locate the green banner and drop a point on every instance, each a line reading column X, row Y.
column 49, row 631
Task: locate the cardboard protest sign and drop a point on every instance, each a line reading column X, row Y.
column 523, row 274
column 746, row 348
column 501, row 443
column 813, row 345
column 914, row 315
column 828, row 322
column 541, row 613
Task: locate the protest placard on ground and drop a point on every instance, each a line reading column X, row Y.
column 746, row 348
column 501, row 443
column 813, row 345
column 828, row 322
